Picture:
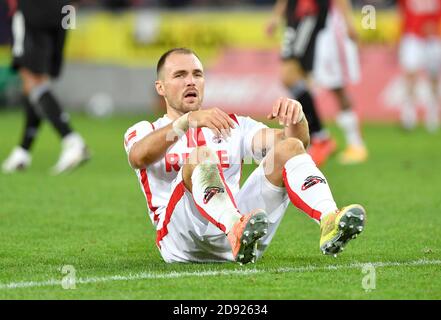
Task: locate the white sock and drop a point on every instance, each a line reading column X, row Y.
column 218, row 206
column 348, row 122
column 307, row 187
column 408, row 115
column 71, row 139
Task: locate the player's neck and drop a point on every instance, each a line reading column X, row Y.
column 174, row 114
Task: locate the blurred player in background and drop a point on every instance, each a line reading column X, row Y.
column 189, row 162
column 5, row 25
column 328, row 25
column 336, row 64
column 304, row 20
column 420, row 50
column 37, row 51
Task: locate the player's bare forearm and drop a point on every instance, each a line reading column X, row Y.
column 152, row 147
column 299, row 131
column 289, row 114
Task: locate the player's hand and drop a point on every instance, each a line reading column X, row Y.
column 215, row 119
column 271, row 27
column 288, row 111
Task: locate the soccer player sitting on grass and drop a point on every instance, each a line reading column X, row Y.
column 188, row 163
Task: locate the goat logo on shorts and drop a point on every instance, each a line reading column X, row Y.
column 217, row 139
column 312, row 181
column 210, row 192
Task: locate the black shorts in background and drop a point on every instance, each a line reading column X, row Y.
column 299, row 41
column 38, row 48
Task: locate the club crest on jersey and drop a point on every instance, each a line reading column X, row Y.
column 217, row 139
column 210, row 192
column 312, row 181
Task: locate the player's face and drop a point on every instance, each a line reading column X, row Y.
column 181, row 82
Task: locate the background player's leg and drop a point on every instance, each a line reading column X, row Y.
column 37, row 87
column 74, row 150
column 433, row 68
column 412, row 60
column 294, row 78
column 348, row 121
column 408, row 113
column 32, row 124
column 20, row 157
column 432, row 113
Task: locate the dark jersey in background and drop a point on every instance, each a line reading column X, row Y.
column 39, row 36
column 304, row 18
column 299, row 9
column 42, row 13
column 5, row 24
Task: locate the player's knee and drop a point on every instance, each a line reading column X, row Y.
column 38, row 90
column 33, row 82
column 288, row 148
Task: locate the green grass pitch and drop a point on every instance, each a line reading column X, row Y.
column 94, row 219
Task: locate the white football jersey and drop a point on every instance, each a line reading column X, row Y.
column 156, row 179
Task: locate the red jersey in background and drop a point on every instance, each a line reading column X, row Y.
column 421, row 17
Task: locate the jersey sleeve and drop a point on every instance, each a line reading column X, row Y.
column 248, row 128
column 136, row 133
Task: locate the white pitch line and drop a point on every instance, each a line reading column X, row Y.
column 211, row 273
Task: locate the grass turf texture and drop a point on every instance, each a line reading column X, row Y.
column 95, row 220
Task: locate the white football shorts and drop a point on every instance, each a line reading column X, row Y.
column 336, row 61
column 418, row 54
column 184, row 235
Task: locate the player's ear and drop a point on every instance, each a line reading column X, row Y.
column 159, row 87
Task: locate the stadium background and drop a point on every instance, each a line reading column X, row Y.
column 94, row 219
column 111, row 57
